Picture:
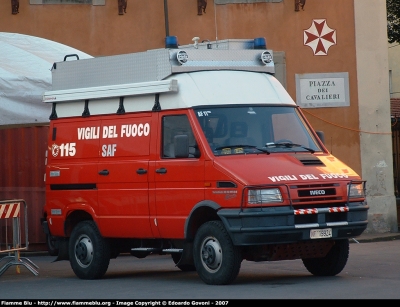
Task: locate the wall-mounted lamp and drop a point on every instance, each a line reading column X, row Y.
column 122, row 6
column 201, row 6
column 14, row 7
column 299, row 4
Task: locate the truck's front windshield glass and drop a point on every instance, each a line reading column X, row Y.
column 255, row 129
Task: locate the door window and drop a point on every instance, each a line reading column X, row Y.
column 176, row 125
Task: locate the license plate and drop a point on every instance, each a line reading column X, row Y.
column 321, row 233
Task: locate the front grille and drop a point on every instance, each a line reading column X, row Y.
column 316, row 193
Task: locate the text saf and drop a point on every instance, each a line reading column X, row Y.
column 108, row 150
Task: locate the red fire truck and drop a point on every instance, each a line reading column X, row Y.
column 195, row 151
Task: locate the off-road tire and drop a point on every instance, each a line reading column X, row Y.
column 216, row 259
column 89, row 252
column 333, row 263
column 183, row 267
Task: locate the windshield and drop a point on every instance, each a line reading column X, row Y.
column 255, row 129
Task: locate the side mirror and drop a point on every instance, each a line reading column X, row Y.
column 181, row 146
column 321, row 136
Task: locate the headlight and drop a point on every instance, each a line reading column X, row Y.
column 265, row 196
column 355, row 190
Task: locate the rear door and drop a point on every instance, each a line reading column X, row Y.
column 123, row 175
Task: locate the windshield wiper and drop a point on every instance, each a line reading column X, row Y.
column 244, row 146
column 289, row 145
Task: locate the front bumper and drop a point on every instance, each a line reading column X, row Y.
column 273, row 225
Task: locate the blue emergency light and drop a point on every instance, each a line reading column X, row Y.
column 260, row 43
column 171, row 42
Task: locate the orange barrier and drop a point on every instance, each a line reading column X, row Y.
column 11, row 210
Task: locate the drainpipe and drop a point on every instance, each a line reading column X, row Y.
column 166, row 18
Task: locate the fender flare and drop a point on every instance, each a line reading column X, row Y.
column 192, row 219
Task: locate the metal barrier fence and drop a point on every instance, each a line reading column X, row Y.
column 11, row 241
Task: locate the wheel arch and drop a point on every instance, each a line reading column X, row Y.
column 202, row 212
column 73, row 218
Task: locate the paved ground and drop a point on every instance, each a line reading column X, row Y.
column 376, row 237
column 372, row 272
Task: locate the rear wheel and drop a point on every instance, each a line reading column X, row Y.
column 216, row 259
column 333, row 263
column 89, row 252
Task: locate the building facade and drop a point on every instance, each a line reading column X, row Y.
column 333, row 60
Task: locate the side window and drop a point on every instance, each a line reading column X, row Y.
column 175, row 125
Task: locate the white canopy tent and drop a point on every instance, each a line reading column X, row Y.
column 25, row 74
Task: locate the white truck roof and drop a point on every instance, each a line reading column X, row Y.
column 217, row 73
column 203, row 88
column 224, row 87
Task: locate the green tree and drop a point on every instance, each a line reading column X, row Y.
column 393, row 20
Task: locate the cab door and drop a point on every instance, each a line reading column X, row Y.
column 123, row 175
column 178, row 182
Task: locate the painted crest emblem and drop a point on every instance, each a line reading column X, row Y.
column 319, row 37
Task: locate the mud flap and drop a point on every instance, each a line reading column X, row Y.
column 62, row 249
column 187, row 255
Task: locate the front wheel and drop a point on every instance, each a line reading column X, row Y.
column 216, row 259
column 89, row 252
column 333, row 263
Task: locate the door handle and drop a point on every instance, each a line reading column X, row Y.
column 161, row 170
column 104, row 172
column 141, row 171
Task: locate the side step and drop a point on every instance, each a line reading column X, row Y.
column 157, row 250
